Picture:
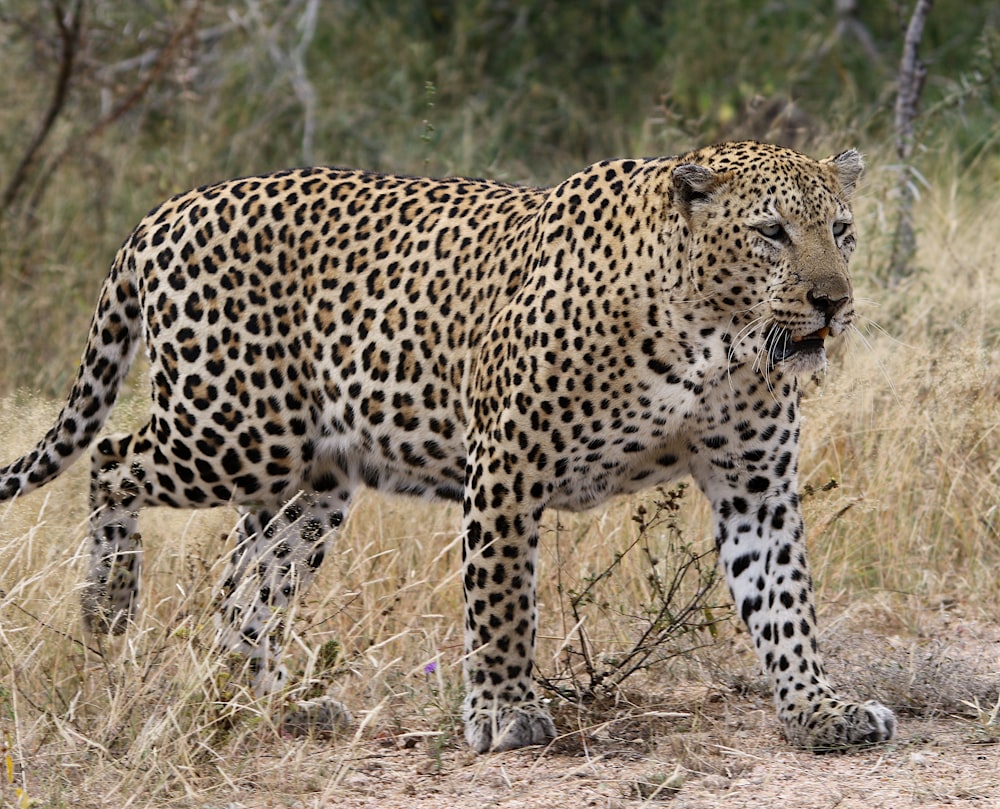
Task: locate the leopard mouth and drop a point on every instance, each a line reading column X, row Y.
column 782, row 345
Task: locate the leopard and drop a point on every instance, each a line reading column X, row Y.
column 511, row 348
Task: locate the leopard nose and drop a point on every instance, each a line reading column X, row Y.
column 824, row 303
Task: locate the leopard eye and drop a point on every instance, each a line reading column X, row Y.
column 774, row 232
column 839, row 229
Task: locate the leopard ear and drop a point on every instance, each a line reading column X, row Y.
column 691, row 184
column 849, row 166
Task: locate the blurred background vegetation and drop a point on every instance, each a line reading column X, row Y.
column 109, row 107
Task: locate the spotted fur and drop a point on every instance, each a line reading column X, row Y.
column 515, row 349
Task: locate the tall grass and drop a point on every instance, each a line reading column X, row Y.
column 908, row 421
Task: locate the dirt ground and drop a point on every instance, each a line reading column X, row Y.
column 745, row 764
column 716, row 743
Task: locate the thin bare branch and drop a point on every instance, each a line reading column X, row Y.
column 131, row 99
column 291, row 62
column 69, row 27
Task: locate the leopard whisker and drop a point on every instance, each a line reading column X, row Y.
column 854, row 333
column 745, row 331
column 742, row 335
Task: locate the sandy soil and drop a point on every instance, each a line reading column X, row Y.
column 744, row 763
column 716, row 743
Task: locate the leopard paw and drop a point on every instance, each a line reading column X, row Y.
column 507, row 727
column 324, row 716
column 838, row 725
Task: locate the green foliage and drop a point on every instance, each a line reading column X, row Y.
column 526, row 92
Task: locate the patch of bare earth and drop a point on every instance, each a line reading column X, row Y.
column 932, row 764
column 714, row 742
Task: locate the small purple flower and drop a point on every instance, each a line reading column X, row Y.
column 431, row 667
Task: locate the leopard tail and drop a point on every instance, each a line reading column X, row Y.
column 115, row 334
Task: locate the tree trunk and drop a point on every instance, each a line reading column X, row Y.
column 912, row 73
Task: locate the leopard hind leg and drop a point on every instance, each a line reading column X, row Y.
column 110, row 597
column 275, row 559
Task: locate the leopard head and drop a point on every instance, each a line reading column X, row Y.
column 771, row 233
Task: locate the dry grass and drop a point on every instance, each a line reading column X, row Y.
column 909, row 423
column 907, row 544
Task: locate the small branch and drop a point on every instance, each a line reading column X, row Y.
column 292, row 62
column 678, row 607
column 849, row 26
column 144, row 61
column 163, row 60
column 300, row 79
column 69, row 27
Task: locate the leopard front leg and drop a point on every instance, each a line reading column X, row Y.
column 502, row 710
column 762, row 551
column 752, row 485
